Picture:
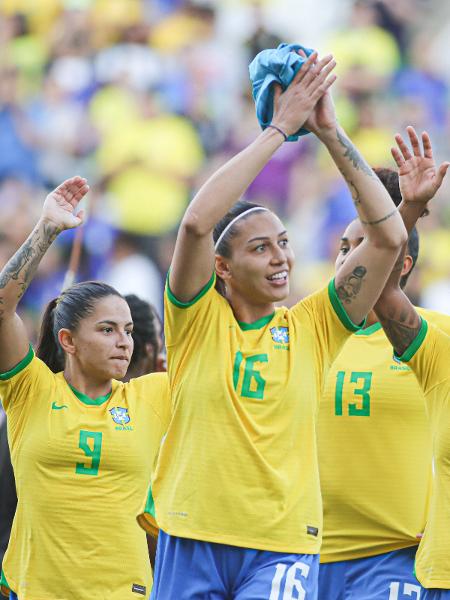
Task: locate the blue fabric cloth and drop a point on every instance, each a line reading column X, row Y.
column 12, row 596
column 434, row 594
column 274, row 66
column 388, row 575
column 194, row 570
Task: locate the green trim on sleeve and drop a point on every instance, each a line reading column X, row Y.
column 150, row 504
column 415, row 344
column 201, row 293
column 4, row 585
column 369, row 330
column 340, row 310
column 19, row 367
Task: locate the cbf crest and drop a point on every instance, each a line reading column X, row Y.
column 280, row 335
column 120, row 415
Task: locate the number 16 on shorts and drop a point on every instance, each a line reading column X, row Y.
column 291, row 578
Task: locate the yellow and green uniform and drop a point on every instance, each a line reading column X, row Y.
column 81, row 466
column 238, row 465
column 375, row 449
column 429, row 358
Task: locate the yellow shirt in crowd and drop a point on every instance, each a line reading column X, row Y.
column 82, row 467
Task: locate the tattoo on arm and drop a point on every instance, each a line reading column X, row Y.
column 378, row 221
column 353, row 155
column 351, row 286
column 23, row 265
column 401, row 330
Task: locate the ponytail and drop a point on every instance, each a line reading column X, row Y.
column 48, row 349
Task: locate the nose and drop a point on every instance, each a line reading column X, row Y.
column 124, row 340
column 278, row 255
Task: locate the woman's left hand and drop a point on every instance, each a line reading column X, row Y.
column 418, row 175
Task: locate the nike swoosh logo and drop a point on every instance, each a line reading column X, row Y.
column 57, row 407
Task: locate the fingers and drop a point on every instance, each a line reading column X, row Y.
column 427, row 148
column 305, row 67
column 413, row 138
column 397, row 156
column 73, row 189
column 406, row 154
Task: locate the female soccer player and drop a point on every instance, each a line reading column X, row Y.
column 236, row 492
column 82, row 443
column 426, row 350
column 374, row 441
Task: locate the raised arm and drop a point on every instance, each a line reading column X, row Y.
column 419, row 182
column 361, row 278
column 15, row 277
column 193, row 260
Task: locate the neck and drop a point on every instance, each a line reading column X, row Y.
column 248, row 312
column 86, row 384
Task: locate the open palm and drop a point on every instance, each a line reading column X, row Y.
column 60, row 206
column 418, row 175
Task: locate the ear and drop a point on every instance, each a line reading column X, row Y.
column 222, row 268
column 66, row 342
column 407, row 265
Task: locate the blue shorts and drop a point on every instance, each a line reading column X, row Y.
column 434, row 594
column 193, row 570
column 388, row 576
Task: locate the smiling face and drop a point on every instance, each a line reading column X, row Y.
column 260, row 262
column 102, row 344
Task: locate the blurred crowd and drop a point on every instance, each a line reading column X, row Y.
column 145, row 98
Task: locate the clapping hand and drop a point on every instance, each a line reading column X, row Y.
column 418, row 175
column 293, row 106
column 61, row 205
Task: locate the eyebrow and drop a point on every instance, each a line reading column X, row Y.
column 344, row 239
column 266, row 237
column 106, row 322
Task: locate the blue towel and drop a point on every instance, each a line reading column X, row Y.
column 274, row 66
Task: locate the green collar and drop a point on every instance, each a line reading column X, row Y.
column 262, row 322
column 369, row 330
column 90, row 401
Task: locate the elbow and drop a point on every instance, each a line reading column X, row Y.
column 192, row 225
column 391, row 240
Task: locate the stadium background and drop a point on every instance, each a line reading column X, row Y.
column 146, row 98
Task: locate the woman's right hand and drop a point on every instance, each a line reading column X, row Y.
column 293, row 106
column 61, row 204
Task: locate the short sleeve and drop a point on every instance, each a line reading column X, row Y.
column 328, row 319
column 24, row 382
column 180, row 316
column 428, row 356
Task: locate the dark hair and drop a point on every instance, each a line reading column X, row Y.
column 224, row 248
column 390, row 179
column 145, row 318
column 65, row 312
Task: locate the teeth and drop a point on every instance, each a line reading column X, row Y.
column 281, row 275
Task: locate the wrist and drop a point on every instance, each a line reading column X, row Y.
column 326, row 134
column 51, row 227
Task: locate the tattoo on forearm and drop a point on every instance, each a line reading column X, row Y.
column 353, row 155
column 351, row 286
column 378, row 221
column 401, row 330
column 352, row 187
column 23, row 265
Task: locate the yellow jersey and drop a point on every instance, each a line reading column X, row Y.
column 238, row 464
column 374, row 446
column 429, row 358
column 82, row 467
